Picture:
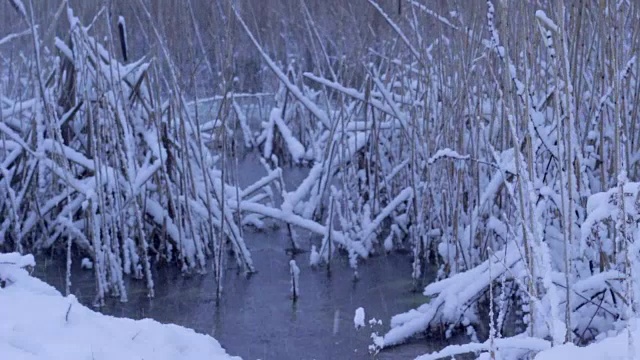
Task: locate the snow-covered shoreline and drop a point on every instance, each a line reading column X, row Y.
column 37, row 322
column 613, row 347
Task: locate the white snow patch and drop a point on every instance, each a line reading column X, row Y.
column 296, row 149
column 616, row 347
column 294, row 270
column 542, row 16
column 447, row 153
column 38, row 323
column 314, row 258
column 86, row 263
column 358, row 319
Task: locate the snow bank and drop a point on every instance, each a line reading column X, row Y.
column 39, row 323
column 615, row 347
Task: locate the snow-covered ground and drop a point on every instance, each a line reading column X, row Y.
column 615, row 347
column 37, row 322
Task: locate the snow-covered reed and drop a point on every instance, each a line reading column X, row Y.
column 496, row 140
column 502, row 140
column 98, row 159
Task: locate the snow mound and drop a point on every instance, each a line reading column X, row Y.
column 314, row 258
column 39, row 323
column 358, row 319
column 86, row 263
column 615, row 347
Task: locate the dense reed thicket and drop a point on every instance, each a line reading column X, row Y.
column 503, row 150
column 498, row 141
column 96, row 158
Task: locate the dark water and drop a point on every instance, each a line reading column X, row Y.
column 256, row 318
